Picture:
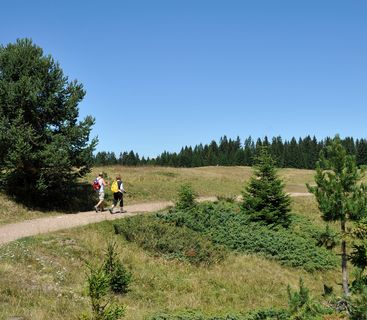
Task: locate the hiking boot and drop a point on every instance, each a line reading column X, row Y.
column 110, row 210
column 123, row 211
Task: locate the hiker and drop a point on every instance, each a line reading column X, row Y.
column 102, row 183
column 118, row 190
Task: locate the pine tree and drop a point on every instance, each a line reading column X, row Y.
column 264, row 198
column 339, row 193
column 43, row 147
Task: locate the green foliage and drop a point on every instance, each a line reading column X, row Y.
column 98, row 289
column 303, row 307
column 338, row 192
column 264, row 199
column 340, row 195
column 43, row 147
column 154, row 235
column 120, row 278
column 359, row 306
column 254, row 315
column 186, row 197
column 328, row 238
column 223, row 225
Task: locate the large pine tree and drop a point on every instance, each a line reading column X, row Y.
column 43, row 146
column 264, row 198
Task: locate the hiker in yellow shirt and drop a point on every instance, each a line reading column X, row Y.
column 118, row 190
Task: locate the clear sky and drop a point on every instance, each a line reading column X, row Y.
column 160, row 75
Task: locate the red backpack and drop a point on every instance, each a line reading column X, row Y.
column 96, row 185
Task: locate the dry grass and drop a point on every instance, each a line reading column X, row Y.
column 11, row 211
column 146, row 184
column 44, row 278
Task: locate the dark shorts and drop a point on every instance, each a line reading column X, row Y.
column 117, row 196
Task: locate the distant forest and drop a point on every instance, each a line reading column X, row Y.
column 301, row 153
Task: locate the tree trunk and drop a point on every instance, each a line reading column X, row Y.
column 344, row 261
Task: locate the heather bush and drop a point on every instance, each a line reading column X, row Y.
column 223, row 224
column 154, row 235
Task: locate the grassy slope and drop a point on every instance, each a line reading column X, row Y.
column 146, row 184
column 161, row 183
column 11, row 212
column 44, row 277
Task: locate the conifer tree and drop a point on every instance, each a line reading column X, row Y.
column 340, row 195
column 264, row 198
column 43, row 146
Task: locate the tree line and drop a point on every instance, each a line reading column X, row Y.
column 299, row 153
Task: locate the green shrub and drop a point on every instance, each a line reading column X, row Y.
column 120, row 278
column 222, row 224
column 98, row 291
column 186, row 197
column 254, row 315
column 303, row 307
column 359, row 305
column 166, row 239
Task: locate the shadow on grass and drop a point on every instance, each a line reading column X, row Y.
column 72, row 199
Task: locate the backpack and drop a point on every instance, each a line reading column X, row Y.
column 96, row 185
column 115, row 187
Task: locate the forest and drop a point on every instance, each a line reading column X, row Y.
column 299, row 153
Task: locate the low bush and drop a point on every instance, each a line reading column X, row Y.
column 152, row 234
column 223, row 224
column 186, row 197
column 255, row 315
column 98, row 291
column 119, row 277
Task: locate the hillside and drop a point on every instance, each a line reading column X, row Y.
column 44, row 276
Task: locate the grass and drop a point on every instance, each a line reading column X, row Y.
column 44, row 277
column 11, row 212
column 147, row 184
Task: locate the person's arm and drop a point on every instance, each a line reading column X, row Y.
column 122, row 190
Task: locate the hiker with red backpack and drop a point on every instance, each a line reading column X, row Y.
column 118, row 190
column 99, row 185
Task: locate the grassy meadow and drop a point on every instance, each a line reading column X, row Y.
column 147, row 184
column 44, row 277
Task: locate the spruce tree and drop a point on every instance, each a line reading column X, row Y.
column 340, row 195
column 264, row 198
column 44, row 149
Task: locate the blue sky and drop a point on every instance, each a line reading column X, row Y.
column 163, row 74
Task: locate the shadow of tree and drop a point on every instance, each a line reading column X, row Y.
column 67, row 199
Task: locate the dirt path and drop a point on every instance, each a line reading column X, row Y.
column 14, row 231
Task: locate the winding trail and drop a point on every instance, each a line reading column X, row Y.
column 14, row 231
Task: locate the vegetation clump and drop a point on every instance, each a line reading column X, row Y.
column 223, row 224
column 165, row 239
column 264, row 199
column 119, row 277
column 98, row 291
column 186, row 197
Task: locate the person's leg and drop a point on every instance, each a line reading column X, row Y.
column 100, row 203
column 122, row 204
column 114, row 203
column 97, row 205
